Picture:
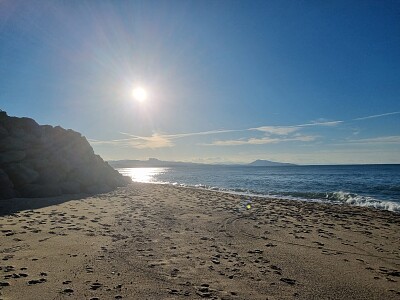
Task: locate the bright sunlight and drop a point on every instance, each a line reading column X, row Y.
column 139, row 94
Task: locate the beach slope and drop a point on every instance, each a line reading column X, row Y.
column 149, row 241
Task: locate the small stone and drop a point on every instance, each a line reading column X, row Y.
column 95, row 286
column 288, row 281
column 173, row 292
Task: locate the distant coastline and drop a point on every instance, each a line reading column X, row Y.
column 154, row 163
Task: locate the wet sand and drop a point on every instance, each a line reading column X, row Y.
column 150, row 241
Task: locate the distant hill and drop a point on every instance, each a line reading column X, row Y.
column 156, row 163
column 150, row 163
column 268, row 163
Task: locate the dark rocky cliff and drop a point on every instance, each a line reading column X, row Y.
column 44, row 161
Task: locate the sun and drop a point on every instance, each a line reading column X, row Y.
column 139, row 94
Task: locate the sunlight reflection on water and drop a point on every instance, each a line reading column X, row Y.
column 142, row 174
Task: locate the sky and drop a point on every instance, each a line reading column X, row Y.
column 307, row 82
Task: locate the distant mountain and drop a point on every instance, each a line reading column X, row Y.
column 268, row 163
column 156, row 163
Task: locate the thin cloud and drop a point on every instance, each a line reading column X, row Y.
column 109, row 142
column 278, row 130
column 263, row 141
column 325, row 123
column 273, row 135
column 377, row 116
column 182, row 135
column 279, row 133
column 154, row 141
column 394, row 139
column 285, row 130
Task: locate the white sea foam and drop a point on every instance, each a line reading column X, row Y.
column 288, row 184
column 358, row 200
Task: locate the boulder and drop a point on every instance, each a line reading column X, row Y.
column 3, row 132
column 51, row 175
column 97, row 189
column 5, row 181
column 11, row 156
column 70, row 187
column 45, row 161
column 6, row 186
column 20, row 174
column 40, row 190
column 7, row 193
column 10, row 143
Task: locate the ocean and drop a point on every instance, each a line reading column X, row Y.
column 376, row 186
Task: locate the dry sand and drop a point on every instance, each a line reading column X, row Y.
column 151, row 241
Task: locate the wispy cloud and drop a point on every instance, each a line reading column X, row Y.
column 321, row 123
column 272, row 135
column 263, row 141
column 285, row 130
column 182, row 135
column 152, row 142
column 109, row 142
column 279, row 130
column 394, row 139
column 377, row 116
column 155, row 140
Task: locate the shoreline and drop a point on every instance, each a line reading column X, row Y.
column 278, row 197
column 157, row 241
column 369, row 187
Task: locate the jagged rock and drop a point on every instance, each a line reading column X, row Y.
column 5, row 180
column 40, row 190
column 10, row 143
column 20, row 174
column 11, row 156
column 3, row 132
column 51, row 175
column 70, row 187
column 6, row 186
column 97, row 188
column 43, row 161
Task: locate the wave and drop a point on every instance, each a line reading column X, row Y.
column 365, row 201
column 339, row 197
column 377, row 196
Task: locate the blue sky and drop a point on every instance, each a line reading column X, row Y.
column 309, row 82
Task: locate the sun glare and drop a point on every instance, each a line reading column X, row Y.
column 139, row 94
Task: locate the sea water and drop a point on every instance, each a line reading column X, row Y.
column 376, row 186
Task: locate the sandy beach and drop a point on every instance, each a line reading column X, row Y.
column 149, row 241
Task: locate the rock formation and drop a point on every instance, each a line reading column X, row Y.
column 44, row 161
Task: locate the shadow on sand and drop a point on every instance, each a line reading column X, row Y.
column 11, row 206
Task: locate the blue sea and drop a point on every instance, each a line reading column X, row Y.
column 376, row 186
